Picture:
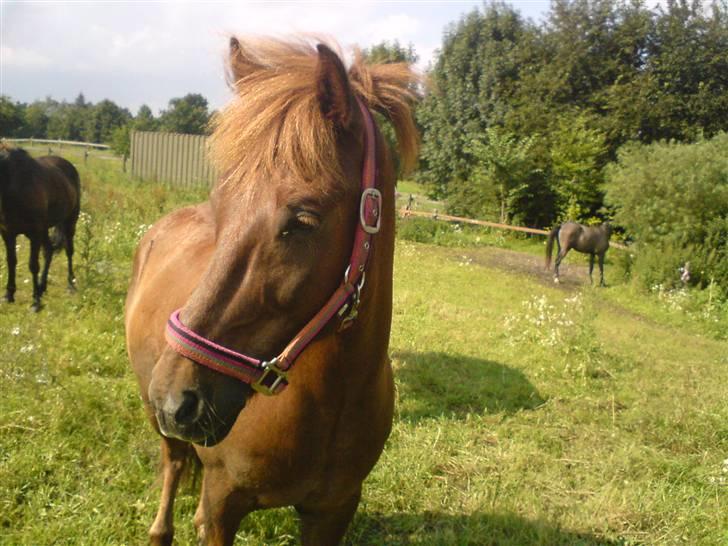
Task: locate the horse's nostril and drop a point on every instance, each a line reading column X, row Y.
column 190, row 408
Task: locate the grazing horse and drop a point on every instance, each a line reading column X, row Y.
column 36, row 195
column 592, row 240
column 258, row 322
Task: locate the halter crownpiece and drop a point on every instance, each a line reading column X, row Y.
column 271, row 376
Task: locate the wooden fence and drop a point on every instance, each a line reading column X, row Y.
column 56, row 142
column 447, row 218
column 172, row 158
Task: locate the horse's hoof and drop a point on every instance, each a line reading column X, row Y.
column 71, row 289
column 556, row 280
column 36, row 307
column 161, row 539
column 9, row 299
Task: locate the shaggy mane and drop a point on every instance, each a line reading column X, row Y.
column 275, row 120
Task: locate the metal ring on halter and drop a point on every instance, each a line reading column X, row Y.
column 351, row 308
column 360, row 284
column 269, row 368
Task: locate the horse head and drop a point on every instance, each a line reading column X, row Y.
column 291, row 146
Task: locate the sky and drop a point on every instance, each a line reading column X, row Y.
column 148, row 52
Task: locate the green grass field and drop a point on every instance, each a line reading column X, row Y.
column 526, row 414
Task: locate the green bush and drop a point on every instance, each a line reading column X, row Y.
column 673, row 200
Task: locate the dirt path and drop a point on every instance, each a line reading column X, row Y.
column 572, row 275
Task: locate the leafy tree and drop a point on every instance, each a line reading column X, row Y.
column 188, row 115
column 144, row 120
column 80, row 102
column 471, row 84
column 687, row 64
column 577, row 156
column 36, row 120
column 103, row 119
column 11, row 117
column 67, row 122
column 391, row 52
column 501, row 160
column 121, row 140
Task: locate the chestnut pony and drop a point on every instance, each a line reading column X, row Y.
column 250, row 268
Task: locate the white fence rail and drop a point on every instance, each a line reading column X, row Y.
column 56, row 142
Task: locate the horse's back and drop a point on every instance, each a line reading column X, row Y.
column 168, row 263
column 587, row 239
column 65, row 166
column 62, row 187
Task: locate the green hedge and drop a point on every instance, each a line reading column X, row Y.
column 673, row 200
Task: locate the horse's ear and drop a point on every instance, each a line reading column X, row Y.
column 333, row 90
column 239, row 62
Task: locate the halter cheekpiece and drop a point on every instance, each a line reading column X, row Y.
column 271, row 376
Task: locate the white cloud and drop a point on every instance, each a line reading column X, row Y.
column 22, row 57
column 400, row 26
column 149, row 52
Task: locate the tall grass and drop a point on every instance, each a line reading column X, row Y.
column 525, row 414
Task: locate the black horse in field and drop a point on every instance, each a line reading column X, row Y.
column 36, row 195
column 592, row 240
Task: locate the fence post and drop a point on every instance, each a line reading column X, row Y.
column 123, row 165
column 85, row 156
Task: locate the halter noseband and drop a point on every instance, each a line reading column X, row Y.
column 271, row 376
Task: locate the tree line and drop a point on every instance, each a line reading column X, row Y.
column 103, row 122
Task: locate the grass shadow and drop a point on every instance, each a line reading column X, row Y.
column 479, row 529
column 433, row 384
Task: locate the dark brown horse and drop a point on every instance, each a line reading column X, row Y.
column 592, row 240
column 36, row 195
column 250, row 268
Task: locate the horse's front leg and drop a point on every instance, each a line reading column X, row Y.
column 174, row 456
column 12, row 261
column 220, row 510
column 47, row 257
column 591, row 267
column 34, row 265
column 326, row 525
column 601, row 270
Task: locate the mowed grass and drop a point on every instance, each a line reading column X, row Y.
column 526, row 414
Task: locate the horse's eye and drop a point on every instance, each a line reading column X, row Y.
column 300, row 222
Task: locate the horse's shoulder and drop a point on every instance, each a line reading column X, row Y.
column 192, row 217
column 178, row 230
column 173, row 244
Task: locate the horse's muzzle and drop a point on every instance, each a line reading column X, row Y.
column 193, row 403
column 191, row 418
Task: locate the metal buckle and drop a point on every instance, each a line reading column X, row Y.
column 269, row 368
column 377, row 196
column 351, row 308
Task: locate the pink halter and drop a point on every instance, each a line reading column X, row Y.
column 271, row 376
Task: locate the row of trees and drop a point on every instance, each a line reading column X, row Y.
column 520, row 119
column 103, row 122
